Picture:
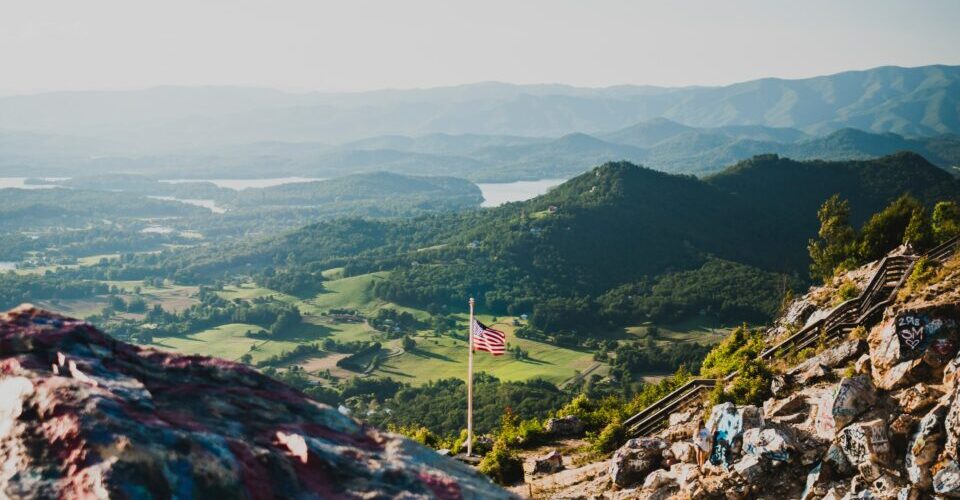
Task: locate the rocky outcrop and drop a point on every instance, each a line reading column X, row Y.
column 83, row 415
column 637, row 458
column 565, row 426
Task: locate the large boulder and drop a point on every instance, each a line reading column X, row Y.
column 851, row 397
column 819, row 365
column 571, row 425
column 83, row 415
column 908, row 344
column 550, row 463
column 865, row 442
column 946, row 481
column 771, row 443
column 727, row 422
column 952, row 427
column 925, row 446
column 684, row 451
column 635, row 459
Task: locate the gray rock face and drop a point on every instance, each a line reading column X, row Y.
column 684, row 451
column 852, row 397
column 947, row 480
column 548, row 464
column 925, row 446
column 565, row 426
column 770, row 443
column 865, row 442
column 635, row 459
column 728, row 423
column 817, row 366
column 912, row 339
column 85, row 416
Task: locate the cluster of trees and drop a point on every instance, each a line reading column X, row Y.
column 648, row 356
column 276, row 318
column 16, row 289
column 395, row 323
column 301, row 351
column 840, row 247
column 364, row 359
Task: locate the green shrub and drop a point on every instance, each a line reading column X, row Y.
column 610, row 438
column 750, row 387
column 730, row 354
column 502, row 465
column 858, row 333
column 846, row 291
column 924, row 271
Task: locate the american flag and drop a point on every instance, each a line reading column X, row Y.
column 487, row 339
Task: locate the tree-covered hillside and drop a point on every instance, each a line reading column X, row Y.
column 619, row 243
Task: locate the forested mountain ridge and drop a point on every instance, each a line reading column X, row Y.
column 617, row 235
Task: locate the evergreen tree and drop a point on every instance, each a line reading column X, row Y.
column 837, row 238
column 945, row 221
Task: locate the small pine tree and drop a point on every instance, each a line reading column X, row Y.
column 945, row 221
column 837, row 238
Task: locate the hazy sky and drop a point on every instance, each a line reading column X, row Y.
column 366, row 44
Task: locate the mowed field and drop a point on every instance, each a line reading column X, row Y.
column 225, row 341
column 434, row 357
column 444, row 357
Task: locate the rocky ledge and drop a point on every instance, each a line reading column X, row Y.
column 84, row 415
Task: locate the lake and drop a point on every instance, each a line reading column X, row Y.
column 20, row 182
column 498, row 193
column 241, row 184
column 208, row 204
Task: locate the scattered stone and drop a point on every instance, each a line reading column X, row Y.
column 659, row 479
column 565, row 426
column 548, row 464
column 835, row 460
column 902, row 426
column 635, row 459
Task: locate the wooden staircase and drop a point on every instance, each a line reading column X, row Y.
column 863, row 310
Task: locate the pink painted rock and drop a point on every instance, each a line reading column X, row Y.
column 83, row 415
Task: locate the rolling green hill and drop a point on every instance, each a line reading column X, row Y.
column 619, row 236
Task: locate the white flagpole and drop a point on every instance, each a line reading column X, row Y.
column 470, row 382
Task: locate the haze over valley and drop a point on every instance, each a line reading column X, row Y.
column 325, row 249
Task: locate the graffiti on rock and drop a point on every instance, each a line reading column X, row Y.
column 918, row 332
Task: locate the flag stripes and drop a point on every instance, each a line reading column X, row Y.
column 488, row 339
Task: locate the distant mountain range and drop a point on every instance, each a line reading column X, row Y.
column 487, row 131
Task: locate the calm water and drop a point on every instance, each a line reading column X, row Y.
column 496, row 194
column 20, row 182
column 241, row 184
column 208, row 204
